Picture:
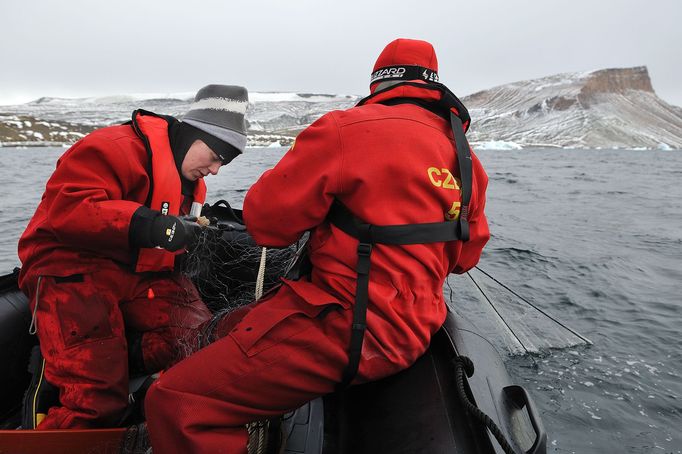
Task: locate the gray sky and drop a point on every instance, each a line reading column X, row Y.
column 86, row 48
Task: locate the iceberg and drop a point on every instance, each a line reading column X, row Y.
column 497, row 145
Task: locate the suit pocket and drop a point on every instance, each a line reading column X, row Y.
column 83, row 312
column 279, row 317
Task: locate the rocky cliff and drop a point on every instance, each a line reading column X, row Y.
column 609, row 108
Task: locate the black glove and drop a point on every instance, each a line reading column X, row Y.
column 173, row 233
column 149, row 228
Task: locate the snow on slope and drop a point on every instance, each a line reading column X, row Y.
column 610, row 108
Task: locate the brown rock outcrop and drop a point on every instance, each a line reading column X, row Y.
column 615, row 80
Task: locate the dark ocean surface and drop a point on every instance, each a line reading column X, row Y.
column 593, row 237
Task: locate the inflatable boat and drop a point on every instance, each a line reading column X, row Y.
column 457, row 398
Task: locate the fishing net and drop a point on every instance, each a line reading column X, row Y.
column 224, row 266
column 507, row 319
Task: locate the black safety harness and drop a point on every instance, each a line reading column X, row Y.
column 368, row 235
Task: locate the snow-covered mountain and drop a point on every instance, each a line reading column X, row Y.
column 610, row 108
column 272, row 117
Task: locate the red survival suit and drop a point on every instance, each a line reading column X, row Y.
column 388, row 165
column 77, row 268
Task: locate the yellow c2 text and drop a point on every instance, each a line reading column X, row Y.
column 443, row 178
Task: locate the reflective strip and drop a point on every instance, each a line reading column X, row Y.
column 33, row 328
column 224, row 104
column 38, row 417
column 196, row 209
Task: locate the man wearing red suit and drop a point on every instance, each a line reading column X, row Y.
column 394, row 199
column 99, row 257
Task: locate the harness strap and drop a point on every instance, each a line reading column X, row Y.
column 462, row 148
column 359, row 326
column 430, row 232
column 464, row 161
column 368, row 235
column 448, row 99
column 424, row 233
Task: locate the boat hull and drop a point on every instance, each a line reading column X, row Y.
column 71, row 441
column 418, row 410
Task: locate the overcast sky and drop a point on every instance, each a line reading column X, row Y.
column 78, row 48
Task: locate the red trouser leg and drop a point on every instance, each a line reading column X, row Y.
column 82, row 339
column 168, row 318
column 282, row 354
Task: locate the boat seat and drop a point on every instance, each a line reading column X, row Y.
column 414, row 411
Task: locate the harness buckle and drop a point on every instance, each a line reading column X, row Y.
column 364, row 252
column 464, row 213
column 464, row 223
column 364, row 249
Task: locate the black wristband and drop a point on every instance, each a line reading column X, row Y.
column 140, row 230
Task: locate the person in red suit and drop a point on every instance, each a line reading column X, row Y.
column 394, row 199
column 100, row 256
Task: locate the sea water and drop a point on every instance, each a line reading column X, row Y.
column 593, row 237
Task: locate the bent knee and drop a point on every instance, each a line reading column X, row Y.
column 152, row 398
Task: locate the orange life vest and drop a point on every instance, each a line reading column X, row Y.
column 165, row 193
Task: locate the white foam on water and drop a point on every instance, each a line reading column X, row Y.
column 593, row 416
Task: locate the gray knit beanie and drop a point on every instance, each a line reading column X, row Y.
column 219, row 111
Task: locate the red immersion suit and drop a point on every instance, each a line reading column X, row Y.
column 388, row 165
column 78, row 269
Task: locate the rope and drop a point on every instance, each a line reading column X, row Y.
column 257, row 443
column 464, row 364
column 33, row 328
column 261, row 274
column 136, row 440
column 584, row 339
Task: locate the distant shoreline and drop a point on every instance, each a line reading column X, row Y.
column 476, row 147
